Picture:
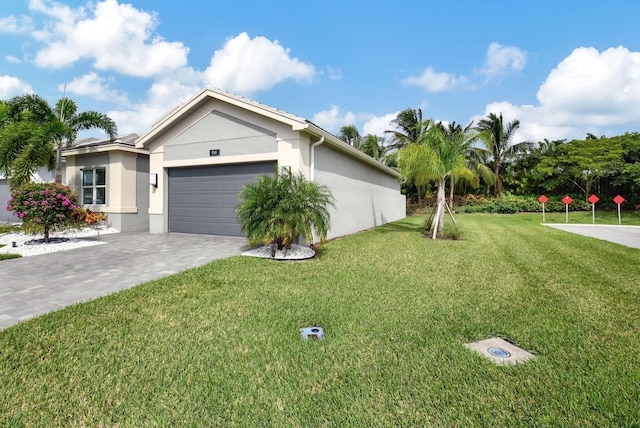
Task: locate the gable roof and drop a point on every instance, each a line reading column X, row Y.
column 297, row 123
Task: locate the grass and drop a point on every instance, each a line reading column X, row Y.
column 8, row 256
column 8, row 228
column 628, row 218
column 219, row 345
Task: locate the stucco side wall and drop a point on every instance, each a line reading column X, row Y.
column 5, row 194
column 364, row 197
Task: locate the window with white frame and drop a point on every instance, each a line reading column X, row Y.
column 94, row 186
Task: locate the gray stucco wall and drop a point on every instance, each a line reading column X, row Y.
column 136, row 222
column 5, row 194
column 142, row 194
column 220, row 131
column 365, row 197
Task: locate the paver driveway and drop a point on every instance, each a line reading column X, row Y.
column 32, row 286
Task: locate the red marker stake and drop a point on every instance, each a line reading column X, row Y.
column 543, row 199
column 567, row 200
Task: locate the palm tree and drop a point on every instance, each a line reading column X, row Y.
column 350, row 135
column 276, row 210
column 409, row 127
column 497, row 140
column 434, row 157
column 24, row 147
column 374, row 146
column 474, row 169
column 59, row 125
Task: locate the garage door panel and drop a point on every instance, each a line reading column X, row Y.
column 207, row 185
column 204, row 199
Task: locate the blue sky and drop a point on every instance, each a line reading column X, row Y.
column 563, row 68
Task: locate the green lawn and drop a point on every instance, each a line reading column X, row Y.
column 8, row 256
column 219, row 345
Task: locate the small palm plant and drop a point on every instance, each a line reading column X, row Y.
column 276, row 210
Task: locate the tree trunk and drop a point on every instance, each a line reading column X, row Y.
column 437, row 227
column 496, row 170
column 46, row 234
column 419, row 196
column 451, row 185
column 59, row 164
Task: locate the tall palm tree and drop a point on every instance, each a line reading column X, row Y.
column 497, row 140
column 59, row 125
column 434, row 157
column 474, row 170
column 409, row 127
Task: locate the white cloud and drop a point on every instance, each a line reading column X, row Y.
column 502, row 59
column 595, row 88
column 96, row 87
column 334, row 73
column 377, row 125
column 12, row 59
column 589, row 91
column 12, row 86
column 246, row 65
column 499, row 60
column 332, row 120
column 116, row 37
column 163, row 96
column 433, row 81
column 17, row 25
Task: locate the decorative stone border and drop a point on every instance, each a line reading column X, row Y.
column 296, row 252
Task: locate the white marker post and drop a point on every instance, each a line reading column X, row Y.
column 593, row 199
column 619, row 200
column 567, row 200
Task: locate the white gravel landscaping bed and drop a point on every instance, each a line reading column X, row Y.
column 296, row 252
column 25, row 247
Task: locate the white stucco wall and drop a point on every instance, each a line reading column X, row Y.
column 365, row 197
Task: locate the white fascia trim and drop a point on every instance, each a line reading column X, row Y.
column 102, row 149
column 262, row 157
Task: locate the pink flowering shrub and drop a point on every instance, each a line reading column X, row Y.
column 43, row 206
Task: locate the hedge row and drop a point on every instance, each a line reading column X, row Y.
column 508, row 204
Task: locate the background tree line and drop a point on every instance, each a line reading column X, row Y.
column 489, row 163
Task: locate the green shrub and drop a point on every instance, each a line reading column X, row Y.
column 276, row 210
column 510, row 204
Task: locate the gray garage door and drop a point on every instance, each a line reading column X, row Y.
column 204, row 199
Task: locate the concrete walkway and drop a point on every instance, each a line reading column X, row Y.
column 623, row 235
column 32, row 286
